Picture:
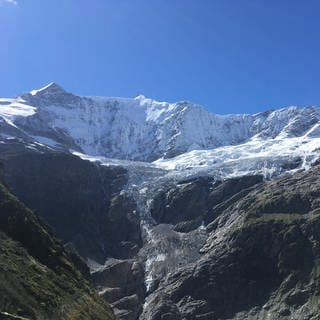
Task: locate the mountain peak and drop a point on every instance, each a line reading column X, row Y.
column 140, row 96
column 51, row 88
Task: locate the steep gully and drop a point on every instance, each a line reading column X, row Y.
column 174, row 210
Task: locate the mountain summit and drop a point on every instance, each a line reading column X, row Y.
column 141, row 128
column 51, row 89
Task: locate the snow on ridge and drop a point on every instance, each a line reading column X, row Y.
column 11, row 109
column 35, row 92
column 144, row 129
column 175, row 140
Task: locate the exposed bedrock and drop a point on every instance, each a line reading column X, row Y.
column 241, row 248
column 260, row 260
column 199, row 200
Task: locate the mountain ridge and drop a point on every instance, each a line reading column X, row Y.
column 141, row 129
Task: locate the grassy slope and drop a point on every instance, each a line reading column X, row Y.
column 38, row 279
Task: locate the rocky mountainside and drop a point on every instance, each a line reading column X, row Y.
column 170, row 247
column 38, row 278
column 83, row 204
column 260, row 259
column 222, row 225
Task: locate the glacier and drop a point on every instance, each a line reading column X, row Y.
column 179, row 137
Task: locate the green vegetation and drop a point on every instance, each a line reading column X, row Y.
column 274, row 217
column 38, row 278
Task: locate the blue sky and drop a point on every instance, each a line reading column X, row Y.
column 231, row 56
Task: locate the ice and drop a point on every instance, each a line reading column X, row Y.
column 185, row 139
column 143, row 129
column 266, row 157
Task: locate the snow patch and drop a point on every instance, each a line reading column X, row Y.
column 11, row 109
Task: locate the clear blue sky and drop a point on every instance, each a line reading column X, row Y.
column 228, row 55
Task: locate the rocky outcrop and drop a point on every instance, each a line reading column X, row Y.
column 121, row 283
column 260, row 260
column 185, row 202
column 198, row 200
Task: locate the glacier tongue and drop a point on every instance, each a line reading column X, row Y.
column 268, row 157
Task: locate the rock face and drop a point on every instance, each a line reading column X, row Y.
column 260, row 260
column 186, row 202
column 122, row 284
column 38, row 278
column 192, row 202
column 80, row 201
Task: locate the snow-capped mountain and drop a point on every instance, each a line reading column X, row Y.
column 192, row 224
column 143, row 129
